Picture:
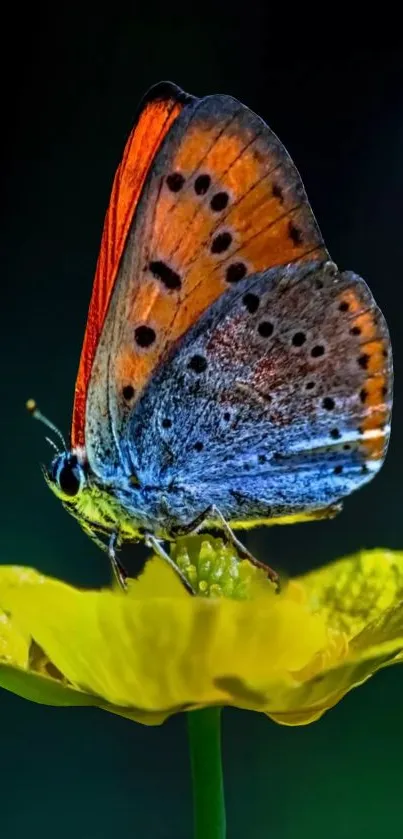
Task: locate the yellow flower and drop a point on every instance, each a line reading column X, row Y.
column 155, row 650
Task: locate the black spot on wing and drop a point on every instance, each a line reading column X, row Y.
column 170, row 279
column 221, row 242
column 235, row 272
column 175, row 181
column 202, row 184
column 144, row 336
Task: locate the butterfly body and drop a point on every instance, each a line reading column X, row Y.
column 228, row 365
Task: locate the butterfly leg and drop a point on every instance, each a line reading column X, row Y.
column 193, row 527
column 118, row 570
column 156, row 546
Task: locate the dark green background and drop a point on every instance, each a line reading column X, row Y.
column 69, row 94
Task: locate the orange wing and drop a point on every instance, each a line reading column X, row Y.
column 156, row 113
column 222, row 199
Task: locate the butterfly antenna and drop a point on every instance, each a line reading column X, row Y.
column 53, row 444
column 32, row 409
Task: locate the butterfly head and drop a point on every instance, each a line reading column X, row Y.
column 84, row 496
column 70, row 479
column 95, row 505
column 67, row 475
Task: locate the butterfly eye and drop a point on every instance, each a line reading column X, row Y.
column 69, row 476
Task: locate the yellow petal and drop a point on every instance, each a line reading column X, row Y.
column 14, row 644
column 306, row 702
column 156, row 650
column 157, row 580
column 160, row 655
column 19, row 659
column 354, row 591
column 363, row 595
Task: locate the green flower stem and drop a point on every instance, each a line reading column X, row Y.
column 204, row 730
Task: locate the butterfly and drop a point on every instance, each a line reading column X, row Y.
column 230, row 374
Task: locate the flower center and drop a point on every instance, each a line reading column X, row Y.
column 214, row 569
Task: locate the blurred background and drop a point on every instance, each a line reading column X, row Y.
column 69, row 97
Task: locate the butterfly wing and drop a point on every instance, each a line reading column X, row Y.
column 276, row 403
column 156, row 114
column 221, row 200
